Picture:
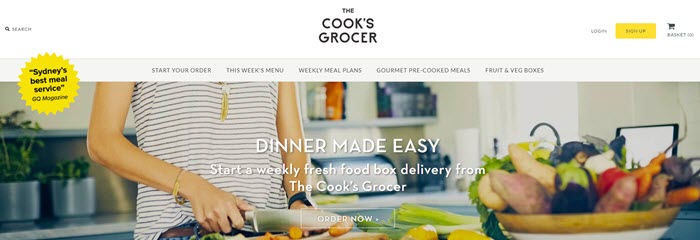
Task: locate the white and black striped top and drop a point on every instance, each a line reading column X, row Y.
column 179, row 122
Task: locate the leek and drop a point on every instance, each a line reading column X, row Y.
column 417, row 214
column 412, row 215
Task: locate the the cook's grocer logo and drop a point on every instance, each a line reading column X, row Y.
column 348, row 29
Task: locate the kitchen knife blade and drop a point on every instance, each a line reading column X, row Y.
column 280, row 220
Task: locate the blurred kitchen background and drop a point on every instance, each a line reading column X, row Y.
column 465, row 116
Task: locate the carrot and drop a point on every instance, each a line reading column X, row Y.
column 295, row 233
column 643, row 185
column 646, row 174
column 683, row 196
column 651, row 169
column 340, row 228
column 267, row 236
column 658, row 160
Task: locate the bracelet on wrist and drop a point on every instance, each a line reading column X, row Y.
column 176, row 188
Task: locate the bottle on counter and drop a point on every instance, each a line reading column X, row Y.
column 318, row 109
column 334, row 100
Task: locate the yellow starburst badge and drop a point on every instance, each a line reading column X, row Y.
column 48, row 83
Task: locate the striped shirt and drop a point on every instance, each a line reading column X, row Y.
column 180, row 123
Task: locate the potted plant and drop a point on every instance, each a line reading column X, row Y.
column 72, row 191
column 19, row 190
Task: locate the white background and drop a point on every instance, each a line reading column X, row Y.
column 290, row 29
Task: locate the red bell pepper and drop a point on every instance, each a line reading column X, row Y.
column 608, row 178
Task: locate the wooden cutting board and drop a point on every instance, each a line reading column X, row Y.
column 347, row 236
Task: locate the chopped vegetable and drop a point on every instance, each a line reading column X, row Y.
column 295, row 233
column 340, row 228
column 384, row 227
column 267, row 236
column 683, row 196
column 467, row 234
column 424, row 232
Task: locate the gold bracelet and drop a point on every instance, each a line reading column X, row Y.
column 176, row 187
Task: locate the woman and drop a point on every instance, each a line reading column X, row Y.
column 185, row 128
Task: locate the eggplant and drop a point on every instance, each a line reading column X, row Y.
column 617, row 145
column 573, row 150
column 576, row 190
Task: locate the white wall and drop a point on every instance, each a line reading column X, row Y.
column 510, row 110
column 77, row 116
column 606, row 106
column 458, row 107
column 551, row 102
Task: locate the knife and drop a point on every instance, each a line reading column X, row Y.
column 280, row 220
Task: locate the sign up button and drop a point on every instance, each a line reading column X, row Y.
column 635, row 30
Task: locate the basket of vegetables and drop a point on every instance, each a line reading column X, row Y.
column 581, row 189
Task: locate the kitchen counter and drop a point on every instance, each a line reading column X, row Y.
column 121, row 226
column 114, row 226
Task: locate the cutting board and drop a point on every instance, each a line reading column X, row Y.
column 347, row 236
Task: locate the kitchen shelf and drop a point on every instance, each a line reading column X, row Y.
column 62, row 133
column 379, row 122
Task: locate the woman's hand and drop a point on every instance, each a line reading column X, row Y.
column 215, row 209
column 300, row 205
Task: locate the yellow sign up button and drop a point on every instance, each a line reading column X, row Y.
column 635, row 31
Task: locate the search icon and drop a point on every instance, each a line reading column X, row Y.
column 7, row 28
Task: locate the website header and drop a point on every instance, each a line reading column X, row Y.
column 360, row 29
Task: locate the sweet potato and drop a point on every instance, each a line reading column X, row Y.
column 526, row 164
column 522, row 192
column 620, row 196
column 490, row 198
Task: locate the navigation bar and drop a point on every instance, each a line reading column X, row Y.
column 375, row 69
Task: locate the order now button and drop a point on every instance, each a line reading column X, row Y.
column 635, row 31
